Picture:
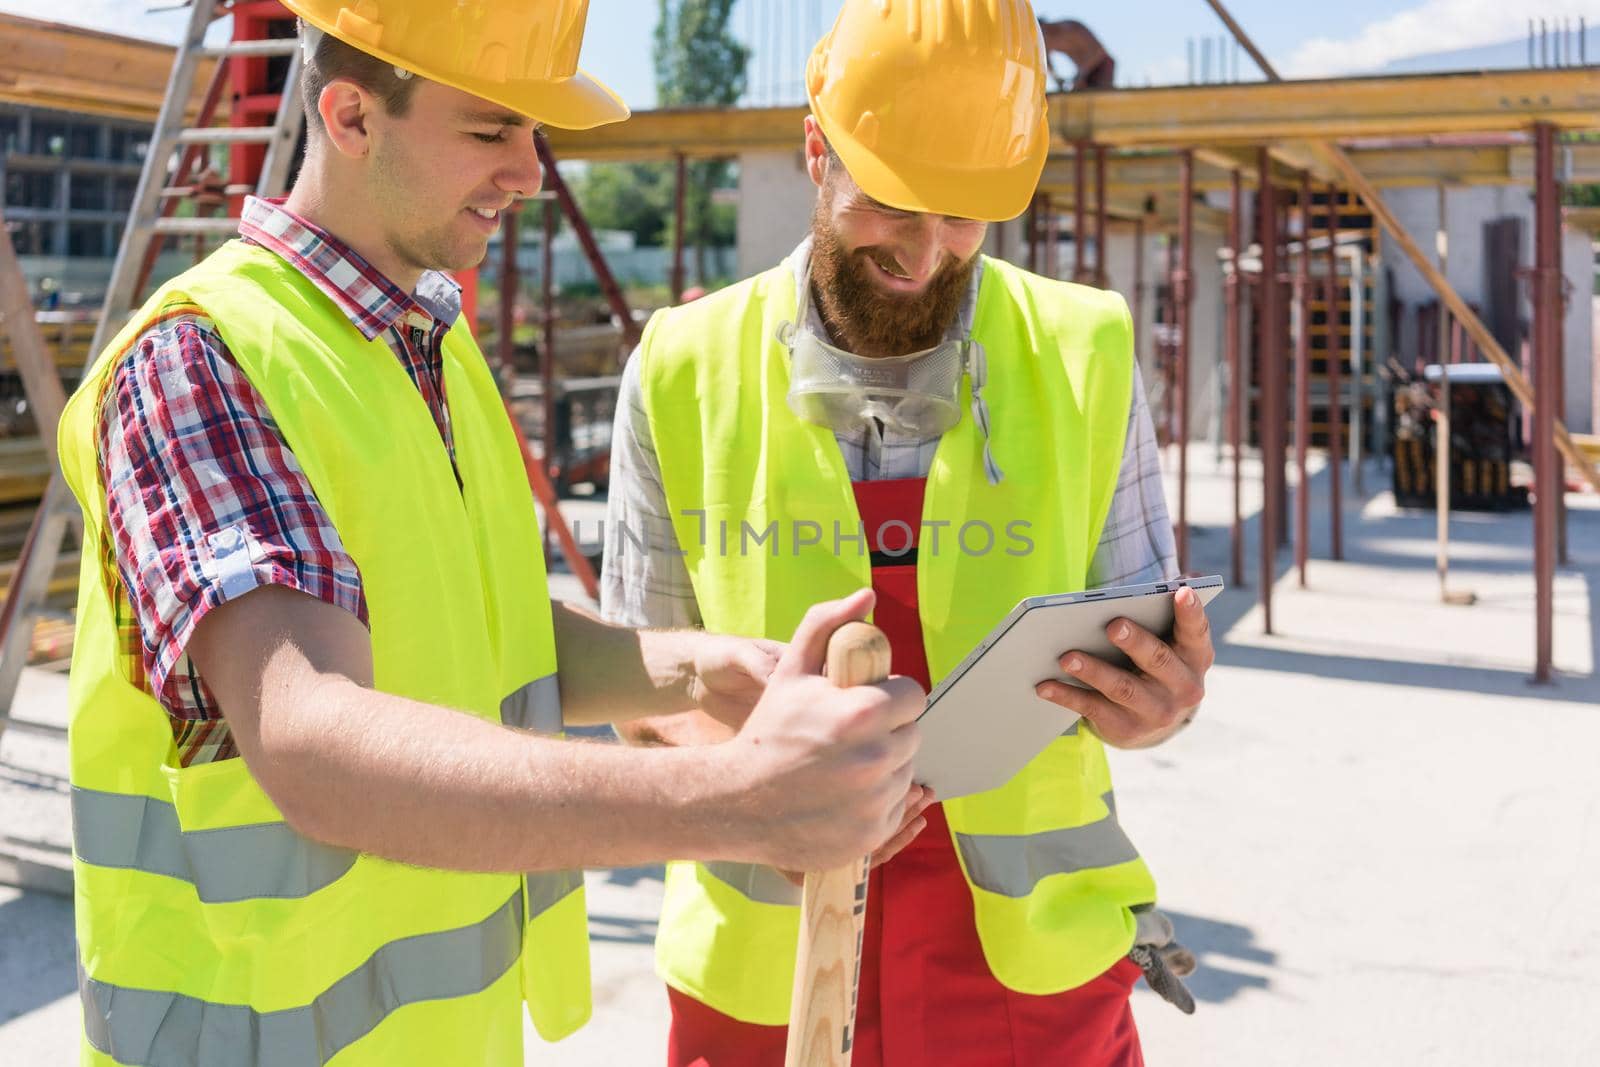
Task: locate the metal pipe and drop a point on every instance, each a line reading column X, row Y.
column 1285, row 387
column 591, row 250
column 1230, row 345
column 547, row 364
column 1079, row 210
column 1032, row 227
column 1170, row 351
column 1139, row 284
column 1244, row 40
column 1183, row 297
column 681, row 180
column 1335, row 383
column 1442, row 434
column 1100, row 212
column 1052, row 238
column 1302, row 382
column 510, row 282
column 1270, row 428
column 1546, row 291
column 1358, row 349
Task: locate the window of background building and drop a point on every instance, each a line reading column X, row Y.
column 83, row 141
column 87, row 239
column 129, row 145
column 49, row 138
column 90, row 192
column 35, row 238
column 29, row 188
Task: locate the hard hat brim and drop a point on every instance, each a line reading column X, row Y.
column 958, row 192
column 576, row 103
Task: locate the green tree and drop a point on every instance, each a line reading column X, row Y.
column 699, row 63
column 634, row 197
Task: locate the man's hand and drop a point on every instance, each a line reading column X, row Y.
column 1144, row 708
column 911, row 824
column 730, row 674
column 825, row 772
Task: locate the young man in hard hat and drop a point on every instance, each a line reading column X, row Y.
column 787, row 437
column 313, row 602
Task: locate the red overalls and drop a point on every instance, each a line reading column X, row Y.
column 927, row 997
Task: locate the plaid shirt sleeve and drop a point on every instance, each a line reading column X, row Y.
column 1136, row 543
column 644, row 581
column 205, row 502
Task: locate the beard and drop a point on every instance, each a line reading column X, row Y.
column 863, row 318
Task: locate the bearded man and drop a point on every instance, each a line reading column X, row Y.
column 775, row 441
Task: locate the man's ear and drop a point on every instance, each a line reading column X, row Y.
column 345, row 108
column 816, row 152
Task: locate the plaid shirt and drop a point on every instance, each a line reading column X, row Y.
column 204, row 499
column 645, row 581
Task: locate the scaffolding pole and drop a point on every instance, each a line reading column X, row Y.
column 1302, row 383
column 1335, row 354
column 1183, row 296
column 1237, row 396
column 1269, row 410
column 1546, row 347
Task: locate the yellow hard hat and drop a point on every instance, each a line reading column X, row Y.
column 936, row 105
column 520, row 54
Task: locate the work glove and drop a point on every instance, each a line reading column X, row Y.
column 1165, row 963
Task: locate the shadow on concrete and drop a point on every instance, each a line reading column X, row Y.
column 1215, row 944
column 620, row 930
column 628, row 877
column 38, row 965
column 1508, row 683
column 31, row 778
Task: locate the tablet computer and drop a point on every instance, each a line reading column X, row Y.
column 984, row 722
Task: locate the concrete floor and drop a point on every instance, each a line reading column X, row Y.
column 1381, row 840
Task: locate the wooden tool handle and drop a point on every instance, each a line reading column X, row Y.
column 833, row 905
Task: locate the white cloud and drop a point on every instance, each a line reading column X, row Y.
column 110, row 16
column 1433, row 26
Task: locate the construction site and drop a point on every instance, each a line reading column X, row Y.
column 1366, row 315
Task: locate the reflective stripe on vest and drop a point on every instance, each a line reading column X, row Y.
column 761, row 884
column 234, row 863
column 546, row 889
column 1012, row 865
column 151, row 1028
column 1008, row 864
column 536, row 706
column 1052, row 876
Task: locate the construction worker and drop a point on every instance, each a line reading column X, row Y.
column 889, row 405
column 313, row 612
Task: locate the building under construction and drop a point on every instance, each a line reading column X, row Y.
column 1343, row 291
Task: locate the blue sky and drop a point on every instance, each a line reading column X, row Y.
column 1149, row 38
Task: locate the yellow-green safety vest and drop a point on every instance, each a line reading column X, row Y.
column 209, row 931
column 1053, row 876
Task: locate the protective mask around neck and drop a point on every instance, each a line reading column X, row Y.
column 918, row 395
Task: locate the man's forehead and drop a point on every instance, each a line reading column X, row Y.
column 481, row 111
column 474, row 109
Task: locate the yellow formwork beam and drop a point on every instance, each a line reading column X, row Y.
column 1132, row 178
column 1267, row 112
column 1210, row 117
column 49, row 65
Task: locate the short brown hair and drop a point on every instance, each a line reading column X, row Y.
column 331, row 60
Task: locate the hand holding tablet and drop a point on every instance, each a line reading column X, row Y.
column 991, row 715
